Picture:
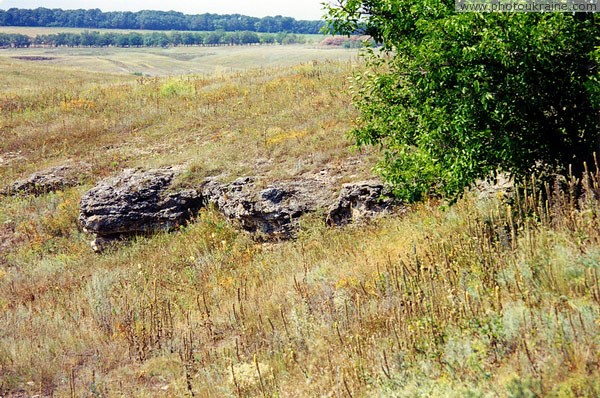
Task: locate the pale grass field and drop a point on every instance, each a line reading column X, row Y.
column 221, row 120
column 180, row 60
column 496, row 297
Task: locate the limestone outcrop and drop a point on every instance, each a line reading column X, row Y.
column 46, row 181
column 141, row 202
column 360, row 200
column 137, row 202
column 270, row 211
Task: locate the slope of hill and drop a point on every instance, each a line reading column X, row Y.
column 493, row 296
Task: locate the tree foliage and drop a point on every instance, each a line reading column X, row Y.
column 453, row 97
column 154, row 39
column 154, row 20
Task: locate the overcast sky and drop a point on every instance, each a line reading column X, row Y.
column 299, row 9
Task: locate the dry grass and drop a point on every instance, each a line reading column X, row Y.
column 176, row 61
column 494, row 297
column 266, row 121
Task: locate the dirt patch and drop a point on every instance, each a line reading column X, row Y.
column 34, row 58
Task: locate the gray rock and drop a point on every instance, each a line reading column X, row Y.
column 137, row 202
column 141, row 202
column 103, row 243
column 273, row 210
column 500, row 185
column 360, row 200
column 49, row 180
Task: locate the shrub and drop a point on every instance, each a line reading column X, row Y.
column 454, row 97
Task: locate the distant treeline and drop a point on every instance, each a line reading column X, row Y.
column 154, row 39
column 154, row 20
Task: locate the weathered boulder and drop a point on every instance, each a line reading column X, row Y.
column 137, row 202
column 49, row 180
column 360, row 200
column 273, row 210
column 141, row 202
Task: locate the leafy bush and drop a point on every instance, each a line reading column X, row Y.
column 454, row 97
column 177, row 88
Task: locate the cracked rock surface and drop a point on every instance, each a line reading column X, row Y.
column 273, row 210
column 360, row 200
column 140, row 202
column 137, row 202
column 49, row 180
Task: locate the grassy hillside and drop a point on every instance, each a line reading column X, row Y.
column 488, row 297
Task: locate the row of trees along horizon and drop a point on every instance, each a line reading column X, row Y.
column 154, row 20
column 153, row 39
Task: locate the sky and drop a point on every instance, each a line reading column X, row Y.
column 299, row 9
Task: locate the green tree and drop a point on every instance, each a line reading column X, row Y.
column 176, row 38
column 136, row 39
column 247, row 37
column 267, row 38
column 214, row 38
column 452, row 97
column 122, row 40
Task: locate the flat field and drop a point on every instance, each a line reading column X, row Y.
column 490, row 296
column 178, row 60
